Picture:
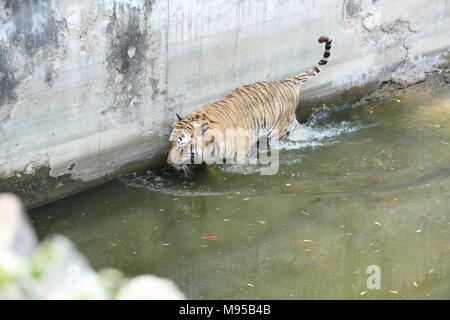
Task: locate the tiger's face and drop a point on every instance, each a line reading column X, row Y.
column 180, row 149
column 183, row 143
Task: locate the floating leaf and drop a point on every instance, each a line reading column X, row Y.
column 393, row 291
column 212, row 238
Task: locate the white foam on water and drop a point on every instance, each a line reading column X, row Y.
column 307, row 136
column 239, row 169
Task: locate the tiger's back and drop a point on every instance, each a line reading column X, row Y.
column 260, row 105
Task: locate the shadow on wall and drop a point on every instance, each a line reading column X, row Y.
column 54, row 269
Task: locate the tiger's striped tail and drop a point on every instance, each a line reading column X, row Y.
column 304, row 76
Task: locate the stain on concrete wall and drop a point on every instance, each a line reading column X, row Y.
column 32, row 34
column 352, row 7
column 35, row 25
column 128, row 31
column 8, row 81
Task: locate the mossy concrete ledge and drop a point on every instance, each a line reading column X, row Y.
column 88, row 91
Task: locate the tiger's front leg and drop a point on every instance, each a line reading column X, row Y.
column 294, row 124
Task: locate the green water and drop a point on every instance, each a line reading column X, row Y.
column 360, row 186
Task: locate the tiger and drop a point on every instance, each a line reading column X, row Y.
column 261, row 105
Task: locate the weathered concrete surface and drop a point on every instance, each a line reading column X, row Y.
column 89, row 89
column 83, row 88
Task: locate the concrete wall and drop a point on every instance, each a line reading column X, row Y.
column 89, row 88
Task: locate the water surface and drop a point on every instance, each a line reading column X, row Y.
column 357, row 186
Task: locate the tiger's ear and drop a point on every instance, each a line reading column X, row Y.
column 179, row 117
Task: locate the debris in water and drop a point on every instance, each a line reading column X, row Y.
column 415, row 284
column 363, row 293
column 419, row 230
column 439, row 70
column 251, row 285
column 397, row 100
column 288, row 184
column 431, row 271
column 175, row 199
column 393, row 291
column 310, row 241
column 166, row 244
column 212, row 238
column 245, row 199
column 377, row 223
column 308, row 250
column 438, row 126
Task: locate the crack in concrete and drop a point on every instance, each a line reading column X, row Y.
column 387, row 38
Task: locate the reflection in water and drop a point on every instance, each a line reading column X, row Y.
column 357, row 186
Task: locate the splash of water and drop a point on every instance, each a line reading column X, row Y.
column 307, row 136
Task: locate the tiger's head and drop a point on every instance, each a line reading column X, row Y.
column 184, row 143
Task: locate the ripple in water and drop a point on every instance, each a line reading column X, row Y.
column 168, row 184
